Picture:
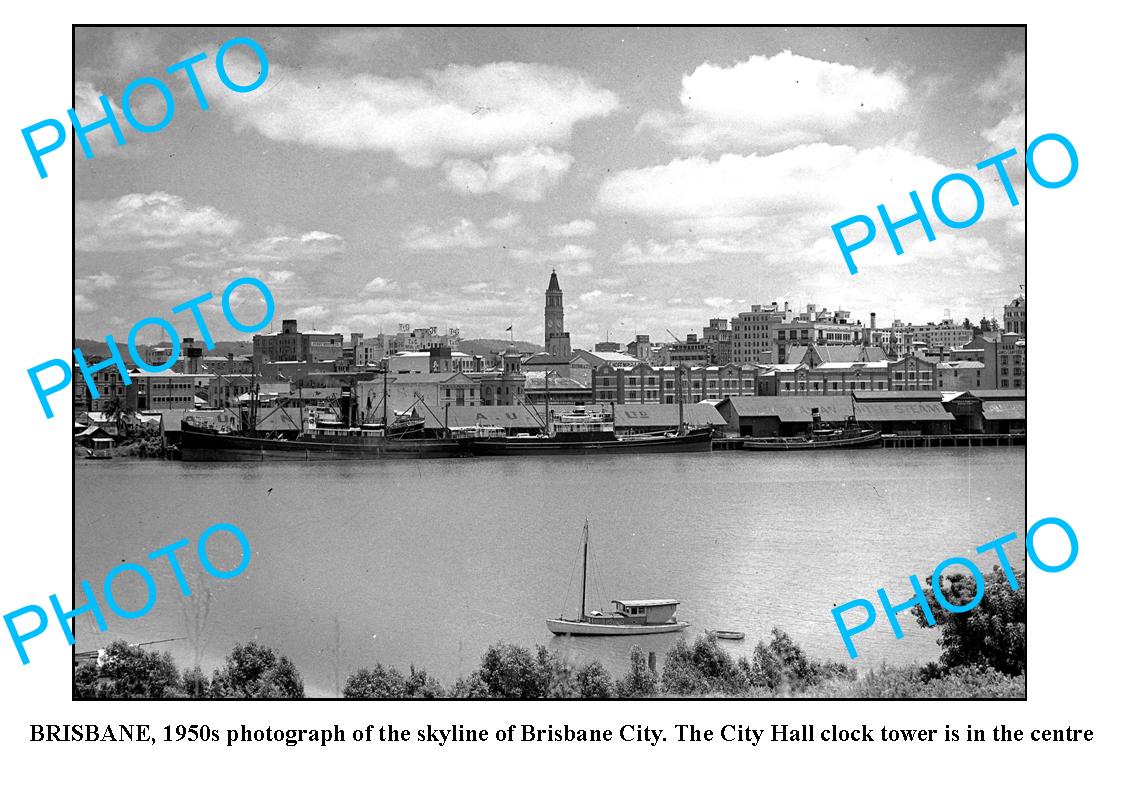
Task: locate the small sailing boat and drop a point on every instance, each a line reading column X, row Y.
column 631, row 617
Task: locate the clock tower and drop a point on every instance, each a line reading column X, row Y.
column 557, row 339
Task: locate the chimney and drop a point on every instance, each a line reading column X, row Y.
column 785, row 306
column 873, row 320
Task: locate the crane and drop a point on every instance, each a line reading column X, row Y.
column 672, row 334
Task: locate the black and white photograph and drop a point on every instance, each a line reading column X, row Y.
column 550, row 362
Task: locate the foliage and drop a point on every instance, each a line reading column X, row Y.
column 782, row 667
column 992, row 634
column 389, row 683
column 640, row 680
column 508, row 670
column 555, row 675
column 931, row 682
column 594, row 681
column 195, row 683
column 127, row 672
column 253, row 671
column 703, row 667
column 470, row 687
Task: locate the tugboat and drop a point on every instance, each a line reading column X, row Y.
column 851, row 435
column 631, row 617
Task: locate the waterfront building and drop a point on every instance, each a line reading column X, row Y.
column 762, row 416
column 664, row 384
column 1014, row 316
column 562, row 389
column 292, row 345
column 110, row 388
column 959, row 375
column 572, row 366
column 690, row 351
column 607, row 345
column 505, row 387
column 912, row 373
column 166, row 389
column 1004, row 359
column 641, row 349
column 557, row 338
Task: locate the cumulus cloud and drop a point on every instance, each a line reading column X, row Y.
column 505, row 222
column 380, row 285
column 462, row 234
column 578, row 228
column 278, row 248
column 525, row 176
column 458, row 111
column 83, row 304
column 95, row 282
column 774, row 101
column 821, row 179
column 156, row 220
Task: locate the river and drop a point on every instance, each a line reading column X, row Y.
column 428, row 562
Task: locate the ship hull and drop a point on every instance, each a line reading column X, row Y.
column 868, row 440
column 566, row 627
column 691, row 442
column 204, row 446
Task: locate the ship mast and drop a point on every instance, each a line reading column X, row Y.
column 385, row 405
column 584, row 570
column 548, row 414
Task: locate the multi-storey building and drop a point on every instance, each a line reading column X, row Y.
column 751, row 333
column 664, row 384
column 718, row 339
column 934, row 336
column 1014, row 316
column 291, row 345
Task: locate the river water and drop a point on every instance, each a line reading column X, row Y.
column 428, row 562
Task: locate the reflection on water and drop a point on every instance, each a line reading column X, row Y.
column 428, row 562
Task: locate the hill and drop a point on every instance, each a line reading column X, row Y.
column 486, row 345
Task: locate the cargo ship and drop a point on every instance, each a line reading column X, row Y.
column 326, row 437
column 582, row 432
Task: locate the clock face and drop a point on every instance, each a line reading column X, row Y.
column 550, row 323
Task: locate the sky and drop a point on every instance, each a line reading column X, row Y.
column 436, row 176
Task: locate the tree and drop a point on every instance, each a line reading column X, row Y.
column 594, row 681
column 508, row 670
column 389, row 683
column 701, row 668
column 253, row 671
column 992, row 634
column 640, row 680
column 195, row 683
column 127, row 672
column 985, row 325
column 782, row 665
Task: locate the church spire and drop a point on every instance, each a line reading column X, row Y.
column 554, row 287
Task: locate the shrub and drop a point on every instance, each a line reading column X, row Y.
column 992, row 634
column 782, row 667
column 703, row 667
column 640, row 680
column 389, row 683
column 594, row 681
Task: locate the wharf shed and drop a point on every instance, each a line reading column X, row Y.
column 982, row 411
column 888, row 412
column 629, row 418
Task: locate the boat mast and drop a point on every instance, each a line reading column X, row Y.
column 548, row 414
column 678, row 386
column 584, row 570
column 385, row 404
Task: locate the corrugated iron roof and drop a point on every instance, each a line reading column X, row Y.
column 1004, row 410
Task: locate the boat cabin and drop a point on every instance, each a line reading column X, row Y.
column 647, row 612
column 581, row 425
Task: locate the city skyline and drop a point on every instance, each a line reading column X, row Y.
column 436, row 176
